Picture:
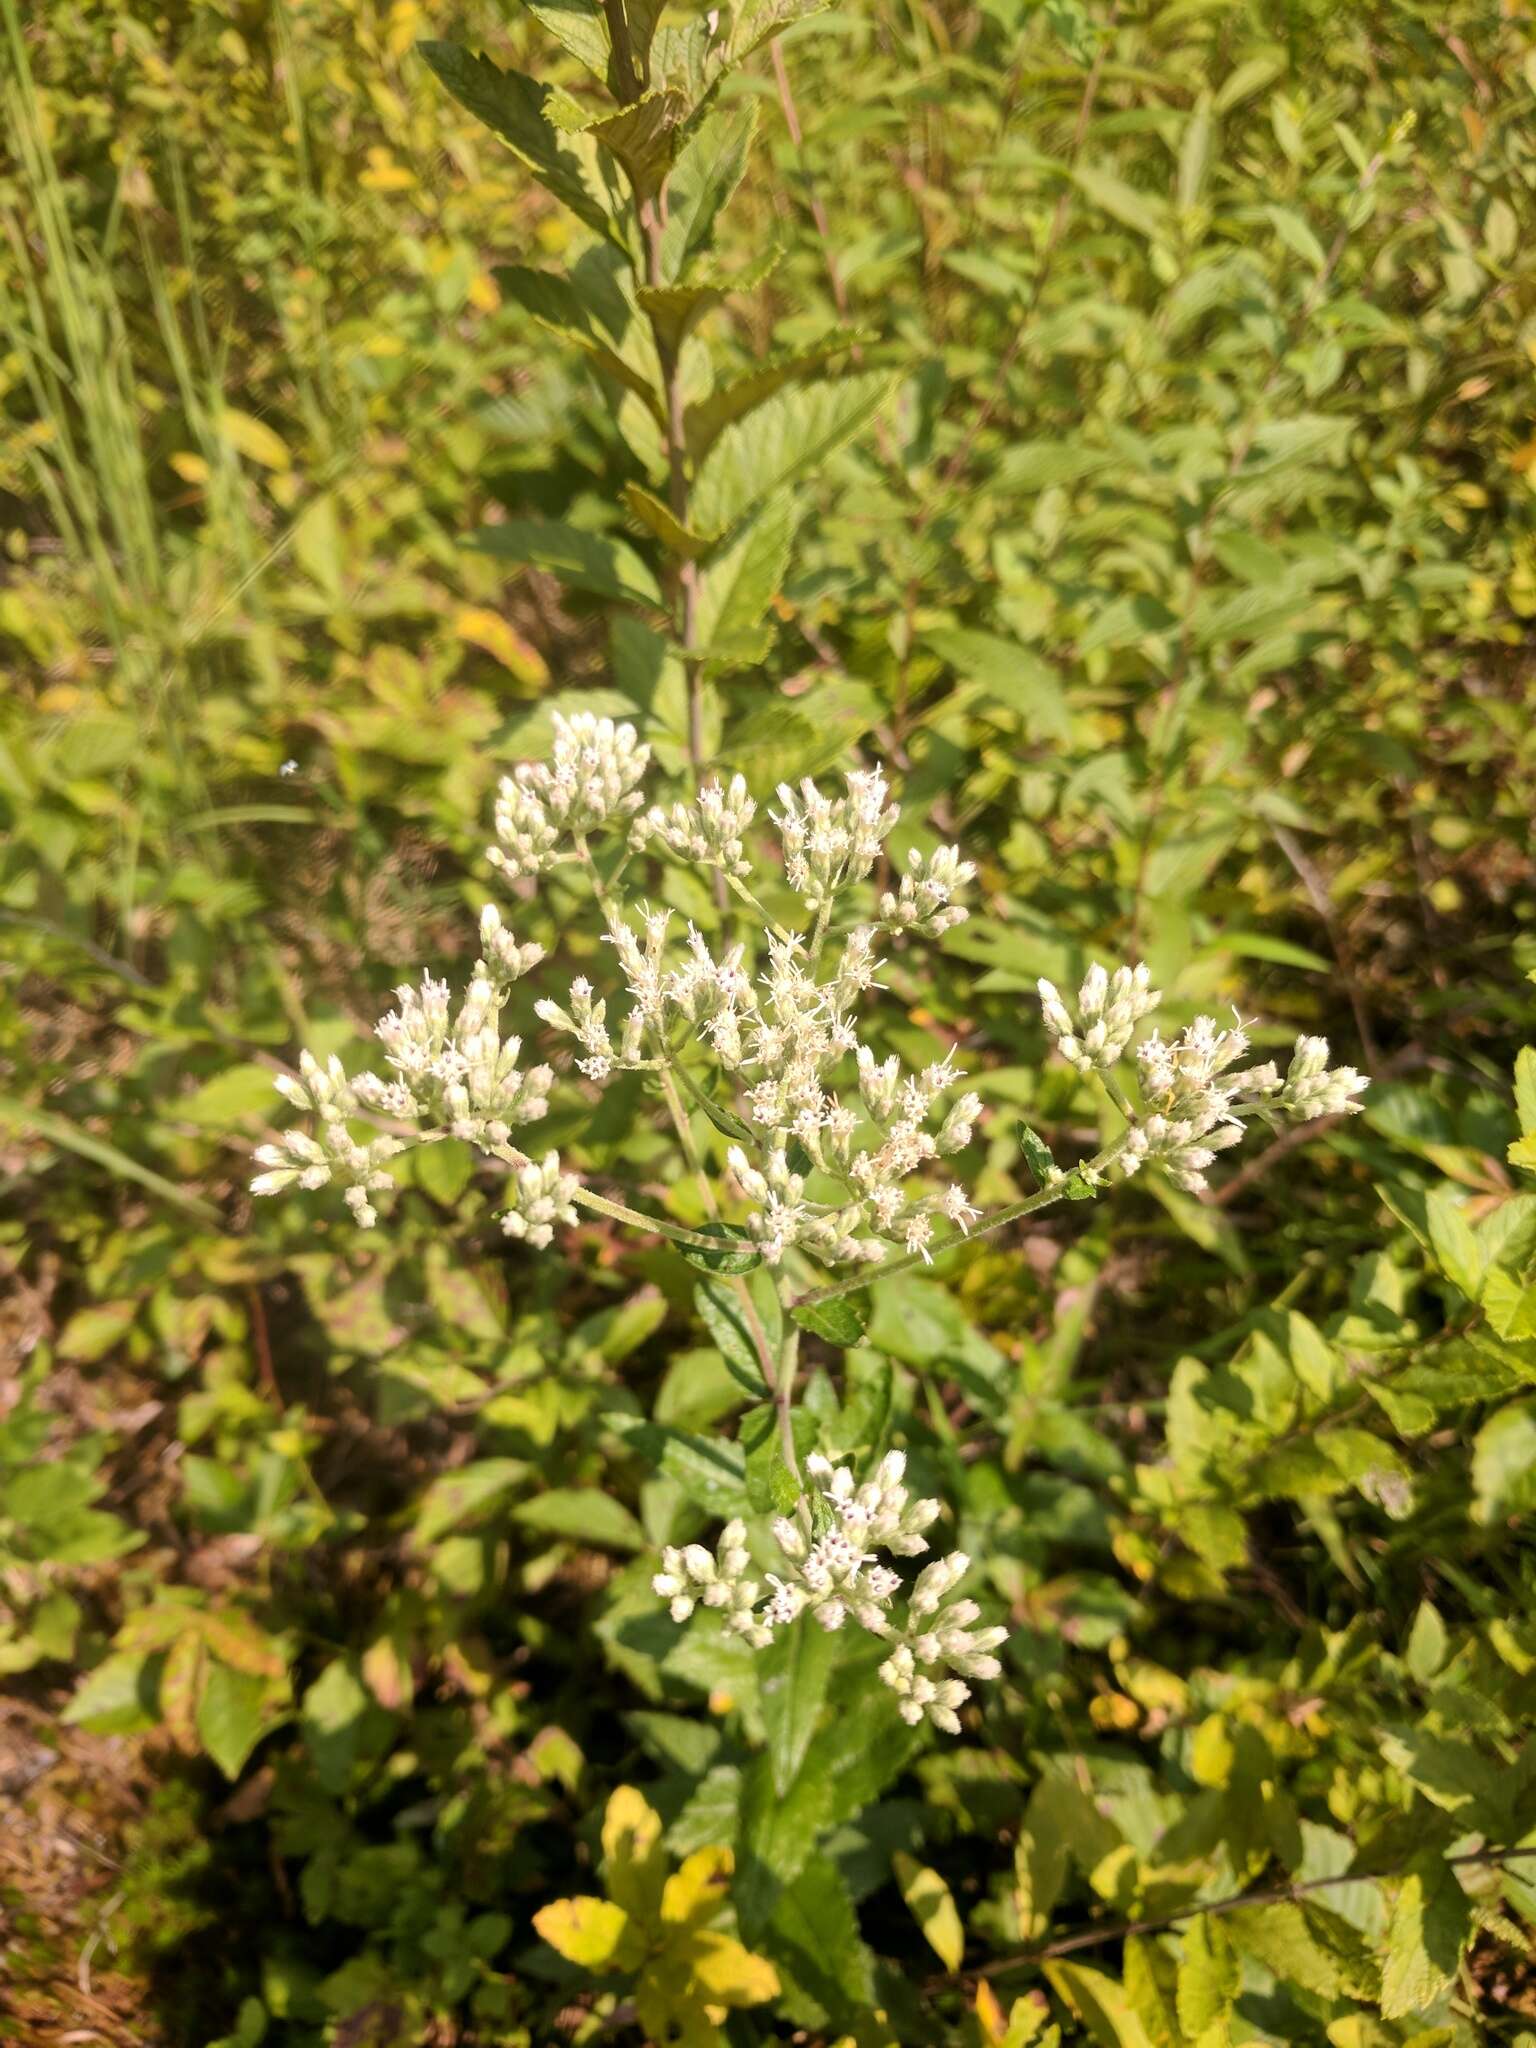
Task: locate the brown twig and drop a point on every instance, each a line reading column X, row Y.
column 262, row 1342
column 1317, row 892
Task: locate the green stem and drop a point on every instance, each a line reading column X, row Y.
column 659, row 1225
column 784, row 1393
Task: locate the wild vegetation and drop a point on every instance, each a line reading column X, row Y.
column 1105, row 432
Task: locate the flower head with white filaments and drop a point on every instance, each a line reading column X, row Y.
column 835, row 1576
column 837, row 1150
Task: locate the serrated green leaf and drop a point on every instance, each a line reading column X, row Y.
column 1012, row 674
column 842, row 1322
column 826, row 1970
column 595, row 562
column 579, row 26
column 708, row 170
column 792, row 432
column 706, row 417
column 1431, row 1921
column 518, row 109
column 733, row 622
column 645, row 137
column 660, row 521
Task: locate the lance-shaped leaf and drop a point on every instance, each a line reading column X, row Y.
column 634, row 1862
column 933, row 1907
column 560, row 308
column 791, row 433
column 660, row 520
column 708, row 170
column 595, row 562
column 520, row 110
column 676, row 307
column 707, row 417
column 579, row 26
column 733, row 625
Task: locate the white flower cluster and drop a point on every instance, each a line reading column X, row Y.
column 708, row 832
column 331, row 1153
column 1193, row 1102
column 589, row 780
column 541, row 1197
column 1109, row 1007
column 1312, row 1088
column 832, row 841
column 454, row 1076
column 786, row 1039
column 831, row 1135
column 925, row 903
column 836, row 1576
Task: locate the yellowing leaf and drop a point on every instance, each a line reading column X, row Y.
column 384, row 174
column 933, row 1908
column 181, row 1685
column 694, row 1892
column 192, row 469
column 989, row 2014
column 1212, row 1753
column 585, row 1931
column 490, row 631
column 725, row 1971
column 1100, row 2003
column 634, row 1865
column 254, row 439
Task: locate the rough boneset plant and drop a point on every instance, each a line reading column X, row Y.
column 646, row 152
column 836, row 1152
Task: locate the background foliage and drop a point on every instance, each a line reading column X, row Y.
column 1186, row 573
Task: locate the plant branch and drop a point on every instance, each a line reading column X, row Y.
column 694, row 1239
column 998, row 1220
column 1275, row 1895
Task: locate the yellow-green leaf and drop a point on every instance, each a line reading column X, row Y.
column 933, row 1908
column 693, row 1894
column 254, row 439
column 1100, row 2003
column 586, row 1931
column 728, row 1973
column 633, row 1862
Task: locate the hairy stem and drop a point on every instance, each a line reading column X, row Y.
column 657, row 1225
column 784, row 1392
column 653, row 219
